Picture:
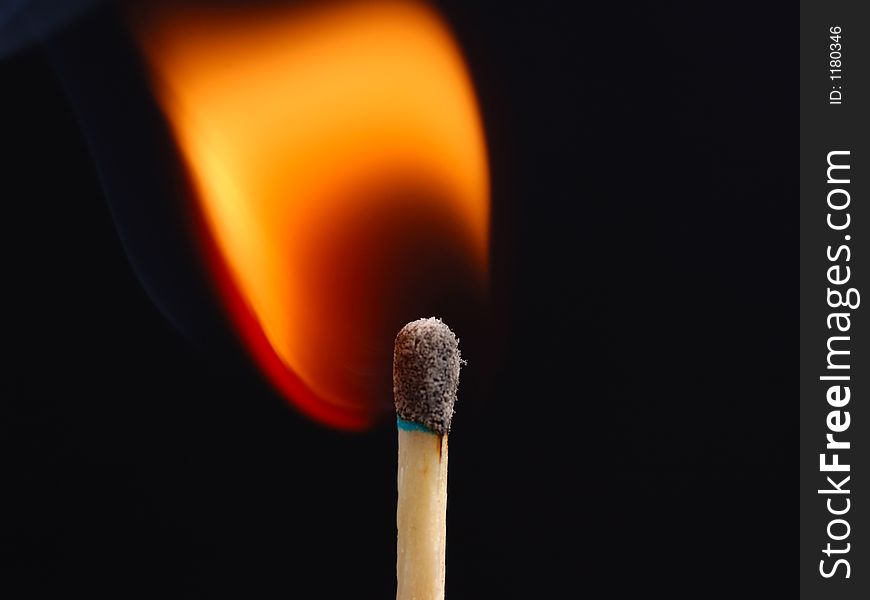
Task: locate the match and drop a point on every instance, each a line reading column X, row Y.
column 426, row 365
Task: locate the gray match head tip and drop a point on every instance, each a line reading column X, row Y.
column 426, row 374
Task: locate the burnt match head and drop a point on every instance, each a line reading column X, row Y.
column 426, row 374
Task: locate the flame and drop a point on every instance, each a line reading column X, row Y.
column 339, row 166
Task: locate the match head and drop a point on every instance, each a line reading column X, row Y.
column 426, row 374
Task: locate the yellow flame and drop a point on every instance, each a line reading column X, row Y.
column 303, row 128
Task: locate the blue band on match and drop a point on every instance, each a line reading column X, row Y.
column 411, row 425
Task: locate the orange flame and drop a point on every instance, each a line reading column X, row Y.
column 340, row 169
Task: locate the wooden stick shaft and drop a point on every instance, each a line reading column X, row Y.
column 421, row 515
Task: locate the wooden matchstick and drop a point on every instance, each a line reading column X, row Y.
column 426, row 366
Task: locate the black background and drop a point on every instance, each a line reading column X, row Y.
column 634, row 429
